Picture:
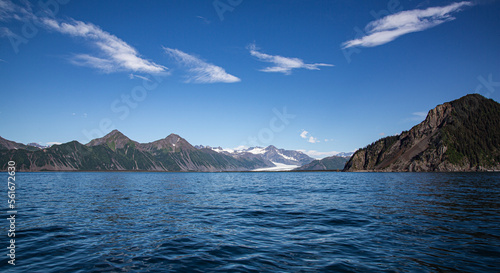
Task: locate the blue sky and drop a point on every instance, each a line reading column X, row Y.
column 318, row 76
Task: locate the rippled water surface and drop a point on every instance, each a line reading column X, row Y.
column 266, row 222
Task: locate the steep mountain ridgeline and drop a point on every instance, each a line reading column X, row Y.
column 9, row 145
column 115, row 152
column 287, row 157
column 462, row 135
column 73, row 156
column 114, row 140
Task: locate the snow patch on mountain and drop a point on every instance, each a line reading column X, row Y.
column 278, row 167
column 287, row 157
column 256, row 150
column 270, row 153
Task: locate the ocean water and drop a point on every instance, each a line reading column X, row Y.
column 254, row 222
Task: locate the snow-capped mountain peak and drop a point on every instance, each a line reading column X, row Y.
column 345, row 154
column 270, row 153
column 256, row 150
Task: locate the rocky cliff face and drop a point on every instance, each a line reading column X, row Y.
column 462, row 135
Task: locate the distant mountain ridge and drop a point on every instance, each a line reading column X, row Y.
column 9, row 145
column 461, row 135
column 270, row 153
column 326, row 164
column 345, row 154
column 37, row 145
column 115, row 151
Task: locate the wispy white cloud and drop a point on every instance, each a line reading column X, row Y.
column 416, row 116
column 420, row 114
column 318, row 155
column 390, row 27
column 199, row 70
column 115, row 54
column 304, row 134
column 241, row 147
column 53, row 143
column 6, row 32
column 11, row 11
column 131, row 76
column 6, row 9
column 282, row 64
column 205, row 20
column 101, row 64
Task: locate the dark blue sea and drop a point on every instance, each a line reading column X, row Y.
column 254, row 222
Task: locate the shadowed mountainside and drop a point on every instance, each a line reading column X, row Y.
column 461, row 135
column 325, row 164
column 115, row 151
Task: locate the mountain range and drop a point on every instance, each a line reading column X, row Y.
column 328, row 163
column 9, row 145
column 37, row 145
column 344, row 154
column 332, row 163
column 461, row 135
column 115, row 151
column 270, row 153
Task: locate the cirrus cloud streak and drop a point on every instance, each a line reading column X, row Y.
column 392, row 26
column 199, row 70
column 282, row 64
column 112, row 54
column 116, row 54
